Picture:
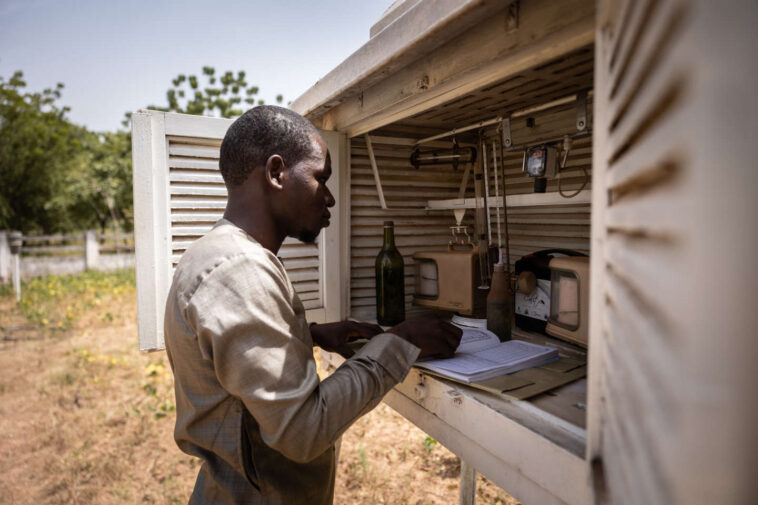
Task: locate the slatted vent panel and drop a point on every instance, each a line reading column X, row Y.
column 649, row 242
column 408, row 190
column 198, row 199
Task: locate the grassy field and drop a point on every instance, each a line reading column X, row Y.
column 86, row 418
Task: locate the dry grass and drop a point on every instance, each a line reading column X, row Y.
column 85, row 418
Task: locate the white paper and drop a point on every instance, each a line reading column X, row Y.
column 481, row 355
column 476, row 339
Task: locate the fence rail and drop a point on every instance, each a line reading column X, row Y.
column 62, row 254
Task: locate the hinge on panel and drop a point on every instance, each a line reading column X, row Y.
column 507, row 140
column 581, row 111
column 511, row 17
column 598, row 483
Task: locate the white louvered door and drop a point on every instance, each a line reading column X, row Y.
column 673, row 352
column 179, row 194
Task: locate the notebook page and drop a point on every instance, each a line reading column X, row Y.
column 476, row 339
column 512, row 353
column 465, row 364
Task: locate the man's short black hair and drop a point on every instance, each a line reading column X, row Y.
column 260, row 133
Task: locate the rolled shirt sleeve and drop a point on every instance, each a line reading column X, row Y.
column 250, row 323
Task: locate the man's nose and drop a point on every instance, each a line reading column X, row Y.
column 330, row 201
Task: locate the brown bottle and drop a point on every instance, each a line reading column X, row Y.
column 500, row 305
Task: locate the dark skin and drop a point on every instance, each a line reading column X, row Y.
column 280, row 200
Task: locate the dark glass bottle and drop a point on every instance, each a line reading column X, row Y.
column 390, row 281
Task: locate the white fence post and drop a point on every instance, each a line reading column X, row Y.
column 91, row 250
column 16, row 241
column 5, row 258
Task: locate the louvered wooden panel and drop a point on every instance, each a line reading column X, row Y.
column 408, row 190
column 672, row 366
column 198, row 199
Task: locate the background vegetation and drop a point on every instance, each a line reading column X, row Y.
column 58, row 177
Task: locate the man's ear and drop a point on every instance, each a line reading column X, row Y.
column 274, row 170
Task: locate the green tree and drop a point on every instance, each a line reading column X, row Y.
column 99, row 190
column 57, row 177
column 38, row 148
column 226, row 95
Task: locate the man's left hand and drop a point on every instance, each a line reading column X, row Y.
column 334, row 337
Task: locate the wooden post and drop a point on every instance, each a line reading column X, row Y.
column 17, row 276
column 16, row 241
column 5, row 258
column 91, row 250
column 468, row 484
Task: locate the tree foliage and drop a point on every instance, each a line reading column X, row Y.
column 99, row 192
column 57, row 176
column 226, row 95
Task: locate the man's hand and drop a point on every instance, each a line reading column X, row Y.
column 334, row 337
column 436, row 338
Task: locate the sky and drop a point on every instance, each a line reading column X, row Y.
column 115, row 56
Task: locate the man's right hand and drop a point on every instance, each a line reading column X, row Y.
column 436, row 338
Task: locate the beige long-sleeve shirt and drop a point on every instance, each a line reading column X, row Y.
column 248, row 399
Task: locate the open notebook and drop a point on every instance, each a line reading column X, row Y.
column 481, row 356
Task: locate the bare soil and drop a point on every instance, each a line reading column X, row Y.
column 86, row 418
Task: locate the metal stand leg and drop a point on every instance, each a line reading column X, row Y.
column 468, row 484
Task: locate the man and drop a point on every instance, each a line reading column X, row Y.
column 249, row 401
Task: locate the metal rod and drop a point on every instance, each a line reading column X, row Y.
column 516, row 114
column 486, row 191
column 375, row 169
column 524, row 147
column 464, row 182
column 497, row 207
column 481, row 226
column 505, row 219
column 549, row 105
column 454, row 131
column 440, row 157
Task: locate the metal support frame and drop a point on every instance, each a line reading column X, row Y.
column 468, row 484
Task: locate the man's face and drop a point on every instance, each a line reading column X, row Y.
column 308, row 197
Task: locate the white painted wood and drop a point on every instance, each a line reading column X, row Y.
column 186, row 125
column 394, row 11
column 530, row 453
column 672, row 356
column 179, row 195
column 463, row 65
column 151, row 225
column 420, row 28
column 519, row 460
column 331, row 250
